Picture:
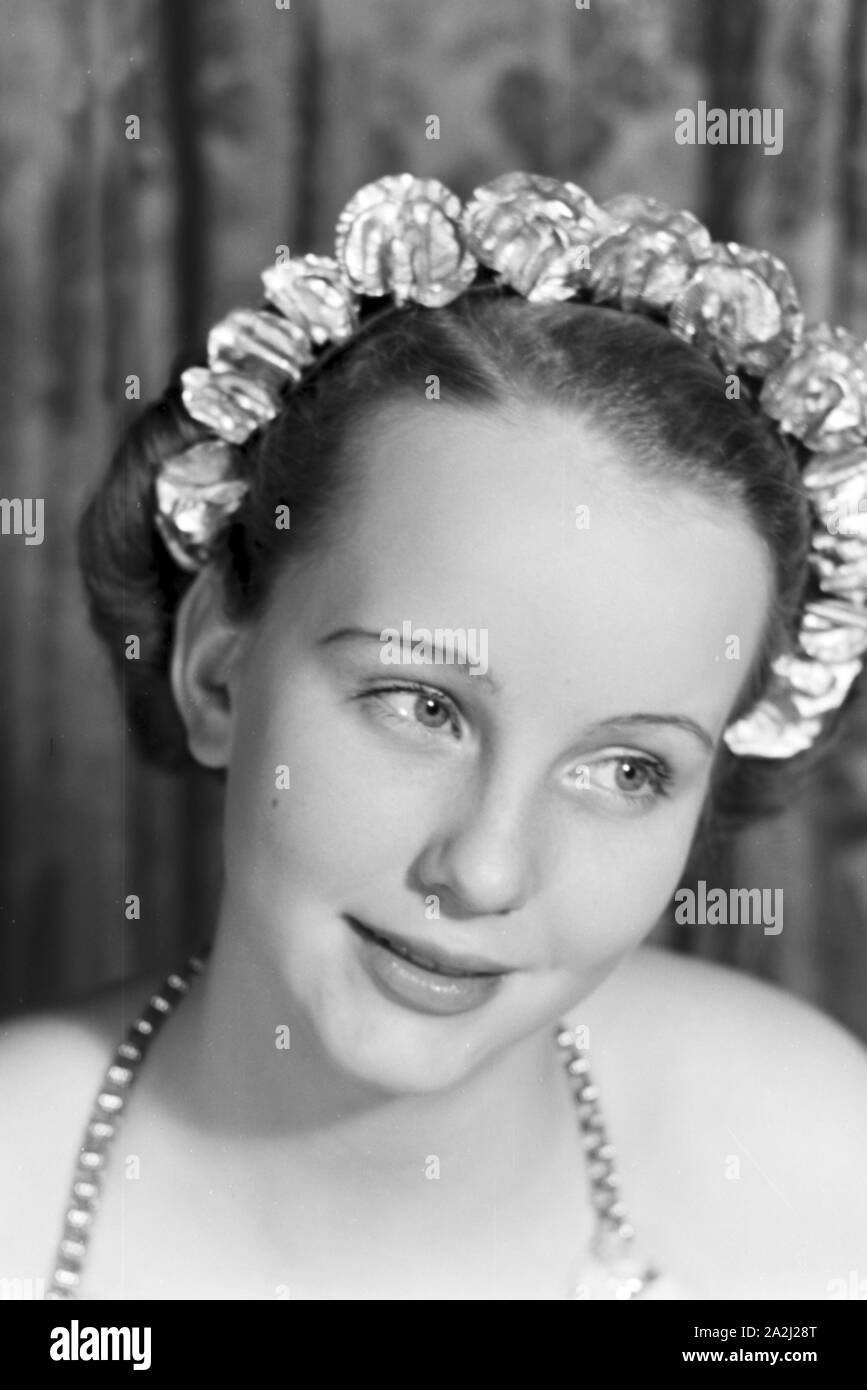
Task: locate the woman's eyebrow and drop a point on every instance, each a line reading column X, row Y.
column 460, row 668
column 676, row 721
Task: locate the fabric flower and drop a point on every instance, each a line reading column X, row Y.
column 840, row 564
column 820, row 393
column 741, row 307
column 535, row 232
column 771, row 731
column 401, row 236
column 816, row 687
column 833, row 632
column 262, row 344
column 310, row 292
column 231, row 404
column 842, row 505
column 196, row 492
column 643, row 263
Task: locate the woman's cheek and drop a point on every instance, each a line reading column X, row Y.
column 310, row 794
column 625, row 885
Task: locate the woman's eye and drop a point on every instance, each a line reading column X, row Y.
column 630, row 777
column 420, row 711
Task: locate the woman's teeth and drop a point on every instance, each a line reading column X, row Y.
column 421, row 982
column 418, row 957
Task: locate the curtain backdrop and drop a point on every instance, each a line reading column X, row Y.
column 255, row 124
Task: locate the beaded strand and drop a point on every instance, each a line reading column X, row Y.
column 102, row 1127
column 627, row 1275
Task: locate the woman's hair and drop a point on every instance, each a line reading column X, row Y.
column 661, row 400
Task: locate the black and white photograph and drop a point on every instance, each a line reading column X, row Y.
column 433, row 547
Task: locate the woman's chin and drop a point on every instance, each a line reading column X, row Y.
column 400, row 1061
column 407, row 1079
column 398, row 1051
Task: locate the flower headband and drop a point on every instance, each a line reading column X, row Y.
column 410, row 239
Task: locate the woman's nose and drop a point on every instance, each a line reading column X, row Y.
column 481, row 860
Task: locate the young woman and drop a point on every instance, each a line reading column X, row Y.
column 482, row 565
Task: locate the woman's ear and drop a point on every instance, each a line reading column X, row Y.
column 204, row 669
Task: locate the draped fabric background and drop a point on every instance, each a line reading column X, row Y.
column 256, row 124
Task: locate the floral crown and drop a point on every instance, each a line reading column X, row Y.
column 410, row 239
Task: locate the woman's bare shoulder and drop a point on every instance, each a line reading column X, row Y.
column 51, row 1065
column 723, row 1013
column 741, row 1046
column 45, row 1042
column 743, row 1117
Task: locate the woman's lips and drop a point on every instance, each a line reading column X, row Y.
column 426, row 978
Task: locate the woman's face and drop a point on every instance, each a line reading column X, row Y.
column 516, row 829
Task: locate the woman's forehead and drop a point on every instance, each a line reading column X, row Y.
column 532, row 528
column 530, row 502
column 522, row 461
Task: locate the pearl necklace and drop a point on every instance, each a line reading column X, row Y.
column 626, row 1276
